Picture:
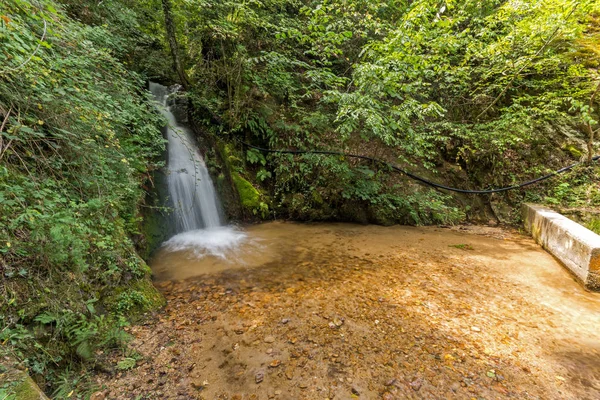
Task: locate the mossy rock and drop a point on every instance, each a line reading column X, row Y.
column 382, row 216
column 250, row 198
column 573, row 150
column 249, row 195
column 155, row 230
column 156, row 226
column 18, row 385
column 135, row 298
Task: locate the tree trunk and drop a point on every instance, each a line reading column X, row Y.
column 170, row 28
column 590, row 128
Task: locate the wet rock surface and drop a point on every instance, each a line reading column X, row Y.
column 374, row 313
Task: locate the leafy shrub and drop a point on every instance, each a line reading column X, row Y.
column 78, row 137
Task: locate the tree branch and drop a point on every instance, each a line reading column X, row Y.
column 546, row 43
column 32, row 54
column 591, row 131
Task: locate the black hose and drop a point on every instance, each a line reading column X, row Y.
column 417, row 177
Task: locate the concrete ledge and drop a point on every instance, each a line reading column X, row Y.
column 575, row 246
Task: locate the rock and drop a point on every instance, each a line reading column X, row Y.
column 338, row 321
column 416, row 384
column 275, row 364
column 269, row 339
column 259, row 377
column 98, row 396
column 475, row 329
column 199, row 384
column 390, row 382
column 289, row 373
column 285, row 321
column 355, row 391
column 278, row 392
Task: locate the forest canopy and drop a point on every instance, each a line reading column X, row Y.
column 478, row 94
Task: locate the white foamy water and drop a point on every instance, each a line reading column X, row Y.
column 191, row 190
column 217, row 241
column 196, row 212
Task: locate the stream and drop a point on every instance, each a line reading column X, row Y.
column 285, row 310
column 341, row 311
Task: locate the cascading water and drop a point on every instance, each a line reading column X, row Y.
column 190, row 187
column 196, row 212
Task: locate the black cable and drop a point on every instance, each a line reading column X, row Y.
column 414, row 176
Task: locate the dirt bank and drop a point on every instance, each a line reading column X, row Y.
column 343, row 311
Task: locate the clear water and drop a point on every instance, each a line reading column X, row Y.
column 197, row 218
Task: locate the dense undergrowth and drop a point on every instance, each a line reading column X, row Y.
column 78, row 137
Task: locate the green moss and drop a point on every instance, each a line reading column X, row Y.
column 135, row 298
column 249, row 195
column 17, row 385
column 232, row 158
column 250, row 198
column 574, row 151
column 28, row 390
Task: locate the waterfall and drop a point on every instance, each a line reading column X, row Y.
column 196, row 213
column 191, row 189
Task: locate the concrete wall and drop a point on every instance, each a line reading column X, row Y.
column 575, row 246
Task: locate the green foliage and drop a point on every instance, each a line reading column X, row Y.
column 476, row 93
column 78, row 137
column 481, row 90
column 578, row 190
column 594, row 225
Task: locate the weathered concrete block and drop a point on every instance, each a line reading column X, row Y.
column 575, row 246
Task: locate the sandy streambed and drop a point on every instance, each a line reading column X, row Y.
column 344, row 311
